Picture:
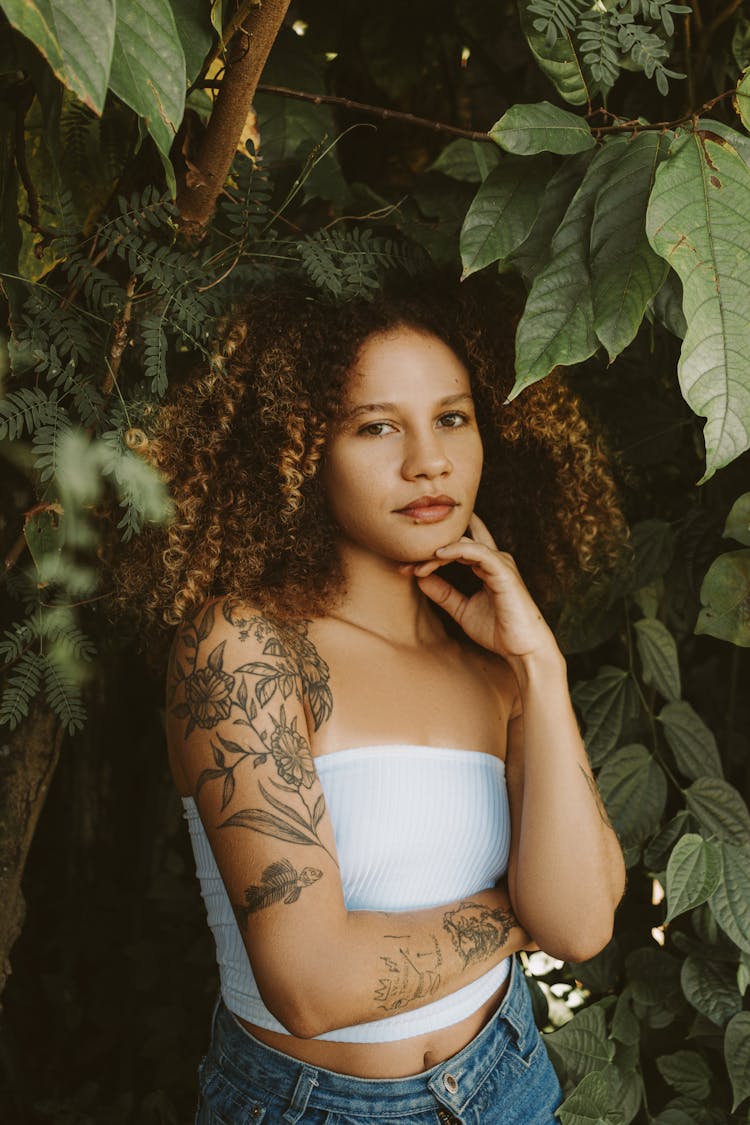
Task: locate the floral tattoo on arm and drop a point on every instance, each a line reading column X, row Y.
column 210, row 696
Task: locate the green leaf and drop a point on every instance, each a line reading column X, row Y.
column 711, row 989
column 194, row 29
column 668, row 306
column 626, row 274
column 581, row 1045
column 699, row 221
column 651, row 546
column 559, row 62
column 591, row 1103
column 658, row 653
column 690, row 740
column 737, row 1056
column 557, row 325
column 148, row 67
column 469, row 161
column 730, row 902
column 607, row 703
column 502, row 212
column 687, row 1072
column 541, row 127
column 693, row 874
column 534, row 251
column 719, row 809
column 738, row 521
column 725, row 599
column 625, row 1025
column 656, row 854
column 75, row 36
column 742, row 98
column 634, row 790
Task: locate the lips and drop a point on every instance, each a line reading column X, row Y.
column 428, row 509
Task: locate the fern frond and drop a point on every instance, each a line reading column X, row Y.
column 101, row 292
column 27, row 408
column 556, row 17
column 656, row 11
column 648, row 52
column 63, row 692
column 77, row 126
column 18, row 638
column 23, row 684
column 155, row 354
column 349, row 264
column 246, row 202
column 600, row 46
column 46, row 445
column 87, row 398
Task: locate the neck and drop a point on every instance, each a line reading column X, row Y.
column 377, row 597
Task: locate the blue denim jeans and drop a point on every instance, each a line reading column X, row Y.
column 503, row 1075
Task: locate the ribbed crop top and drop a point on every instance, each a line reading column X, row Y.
column 415, row 827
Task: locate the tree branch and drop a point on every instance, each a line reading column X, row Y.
column 206, row 174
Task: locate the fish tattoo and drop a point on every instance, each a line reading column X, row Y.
column 280, row 882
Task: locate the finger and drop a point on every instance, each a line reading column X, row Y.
column 444, row 595
column 423, row 569
column 480, row 532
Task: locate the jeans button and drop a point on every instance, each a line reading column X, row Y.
column 450, row 1083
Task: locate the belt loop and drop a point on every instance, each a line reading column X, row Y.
column 306, row 1083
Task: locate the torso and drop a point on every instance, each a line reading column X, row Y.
column 452, row 695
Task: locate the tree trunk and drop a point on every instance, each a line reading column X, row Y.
column 248, row 51
column 27, row 762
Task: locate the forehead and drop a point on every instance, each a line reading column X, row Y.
column 404, row 362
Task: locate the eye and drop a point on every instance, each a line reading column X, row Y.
column 374, row 429
column 453, row 419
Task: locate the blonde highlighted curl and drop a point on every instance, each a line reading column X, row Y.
column 240, row 447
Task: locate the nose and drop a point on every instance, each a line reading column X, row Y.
column 425, row 456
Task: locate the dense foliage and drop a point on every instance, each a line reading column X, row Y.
column 602, row 154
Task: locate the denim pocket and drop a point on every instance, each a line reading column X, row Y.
column 221, row 1103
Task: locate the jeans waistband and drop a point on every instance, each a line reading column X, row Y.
column 453, row 1082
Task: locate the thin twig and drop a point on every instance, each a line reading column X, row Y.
column 119, row 338
column 21, row 164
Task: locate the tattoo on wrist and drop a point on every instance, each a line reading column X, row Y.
column 477, row 931
column 407, row 975
column 280, row 882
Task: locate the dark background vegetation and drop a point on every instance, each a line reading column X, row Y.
column 106, row 1012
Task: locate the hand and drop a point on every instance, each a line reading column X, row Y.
column 502, row 616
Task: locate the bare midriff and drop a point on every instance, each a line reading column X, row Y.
column 398, row 1059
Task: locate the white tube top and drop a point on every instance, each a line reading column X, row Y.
column 415, row 827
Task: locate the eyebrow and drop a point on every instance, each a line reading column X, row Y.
column 372, row 407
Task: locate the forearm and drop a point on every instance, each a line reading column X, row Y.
column 569, row 872
column 369, row 965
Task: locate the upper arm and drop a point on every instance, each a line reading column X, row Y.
column 237, row 724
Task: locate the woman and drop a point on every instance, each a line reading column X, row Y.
column 385, row 785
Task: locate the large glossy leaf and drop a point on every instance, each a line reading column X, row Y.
column 557, row 325
column 471, row 161
column 699, row 220
column 730, row 902
column 720, row 809
column 148, row 67
column 534, row 251
column 559, row 62
column 502, row 212
column 626, row 274
column 607, row 703
column 738, row 521
column 690, row 740
column 737, row 1056
column 593, row 1102
column 634, row 790
column 742, row 98
column 687, row 1072
column 725, row 599
column 658, row 653
column 541, row 127
column 194, row 29
column 711, row 989
column 581, row 1045
column 75, row 36
column 693, row 874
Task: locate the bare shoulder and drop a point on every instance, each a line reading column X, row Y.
column 230, row 664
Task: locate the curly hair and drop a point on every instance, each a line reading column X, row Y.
column 241, row 443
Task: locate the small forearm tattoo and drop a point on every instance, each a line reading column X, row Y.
column 594, row 791
column 476, row 931
column 406, row 976
column 280, row 882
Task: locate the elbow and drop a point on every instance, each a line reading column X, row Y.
column 298, row 1013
